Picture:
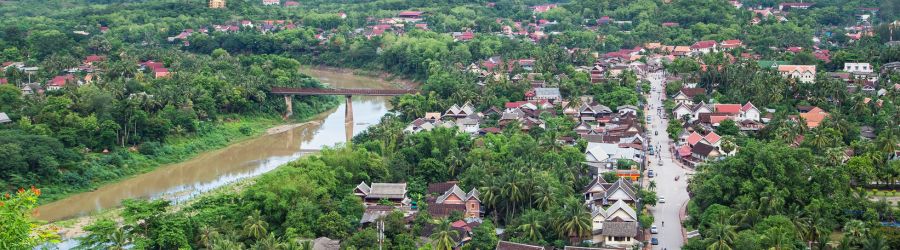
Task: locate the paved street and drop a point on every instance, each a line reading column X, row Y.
column 666, row 214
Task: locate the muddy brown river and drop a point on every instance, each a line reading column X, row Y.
column 183, row 181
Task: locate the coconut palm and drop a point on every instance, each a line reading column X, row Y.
column 652, row 186
column 531, row 228
column 270, row 242
column 544, row 197
column 255, row 226
column 574, row 221
column 722, row 234
column 207, row 234
column 442, row 238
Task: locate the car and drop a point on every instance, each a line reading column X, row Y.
column 650, row 173
column 654, row 230
column 654, row 241
column 661, row 200
column 651, row 152
column 659, row 163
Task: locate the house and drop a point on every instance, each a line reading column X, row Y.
column 550, row 94
column 271, row 2
column 295, row 4
column 858, row 67
column 462, row 36
column 702, row 151
column 58, row 82
column 619, row 234
column 595, row 111
column 324, row 243
column 161, row 72
column 803, row 73
column 456, row 111
column 468, row 125
column 543, row 8
column 790, row 6
column 626, row 109
column 731, row 44
column 506, row 245
column 749, row 112
column 704, row 47
column 4, row 118
column 814, row 117
column 410, row 16
column 599, row 193
column 686, row 95
column 391, row 192
column 216, row 4
column 700, row 108
column 453, row 198
column 681, row 110
column 91, row 59
column 610, row 153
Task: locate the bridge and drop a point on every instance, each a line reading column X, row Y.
column 289, row 94
column 343, row 92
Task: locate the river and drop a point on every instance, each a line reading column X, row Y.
column 183, row 181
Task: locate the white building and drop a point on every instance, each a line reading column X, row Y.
column 803, row 73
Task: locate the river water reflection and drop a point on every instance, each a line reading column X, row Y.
column 182, row 181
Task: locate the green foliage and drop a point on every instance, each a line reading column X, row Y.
column 17, row 230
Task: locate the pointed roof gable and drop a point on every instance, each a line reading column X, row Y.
column 596, row 185
column 712, row 138
column 363, row 188
column 694, row 138
column 621, row 205
column 623, row 185
column 455, row 190
column 748, row 106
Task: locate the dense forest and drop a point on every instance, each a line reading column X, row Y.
column 774, row 193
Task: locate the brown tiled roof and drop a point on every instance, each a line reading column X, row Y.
column 444, row 210
column 691, row 92
column 702, row 149
column 620, row 229
column 506, row 245
column 440, row 187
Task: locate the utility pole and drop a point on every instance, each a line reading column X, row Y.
column 380, row 233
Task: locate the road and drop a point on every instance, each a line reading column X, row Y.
column 667, row 215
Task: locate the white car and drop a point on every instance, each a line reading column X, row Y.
column 654, row 230
column 661, row 200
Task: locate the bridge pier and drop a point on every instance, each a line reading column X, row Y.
column 289, row 103
column 348, row 118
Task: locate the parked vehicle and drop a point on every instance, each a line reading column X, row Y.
column 661, row 200
column 654, row 241
column 650, row 173
column 654, row 230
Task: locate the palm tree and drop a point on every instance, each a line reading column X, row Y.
column 490, row 198
column 651, row 186
column 545, row 197
column 575, row 221
column 255, row 226
column 207, row 234
column 270, row 242
column 722, row 234
column 119, row 239
column 876, row 242
column 531, row 227
column 856, row 230
column 512, row 192
column 442, row 238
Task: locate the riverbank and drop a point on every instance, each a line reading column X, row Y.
column 136, row 161
column 396, row 81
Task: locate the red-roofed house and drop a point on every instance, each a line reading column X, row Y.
column 704, row 47
column 731, row 109
column 59, row 81
column 749, row 112
column 161, row 72
column 794, row 49
column 712, row 139
column 694, row 138
column 89, row 60
column 464, row 36
column 670, row 24
column 291, row 4
column 543, row 8
column 731, row 44
column 410, row 16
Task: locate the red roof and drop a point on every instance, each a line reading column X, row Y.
column 684, row 151
column 160, row 70
column 704, row 44
column 747, row 106
column 694, row 138
column 712, row 137
column 61, row 80
column 153, row 65
column 459, row 224
column 4, row 80
column 513, row 105
column 728, row 108
column 795, row 49
column 94, row 58
column 291, row 4
column 410, row 13
column 719, row 118
column 669, row 24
